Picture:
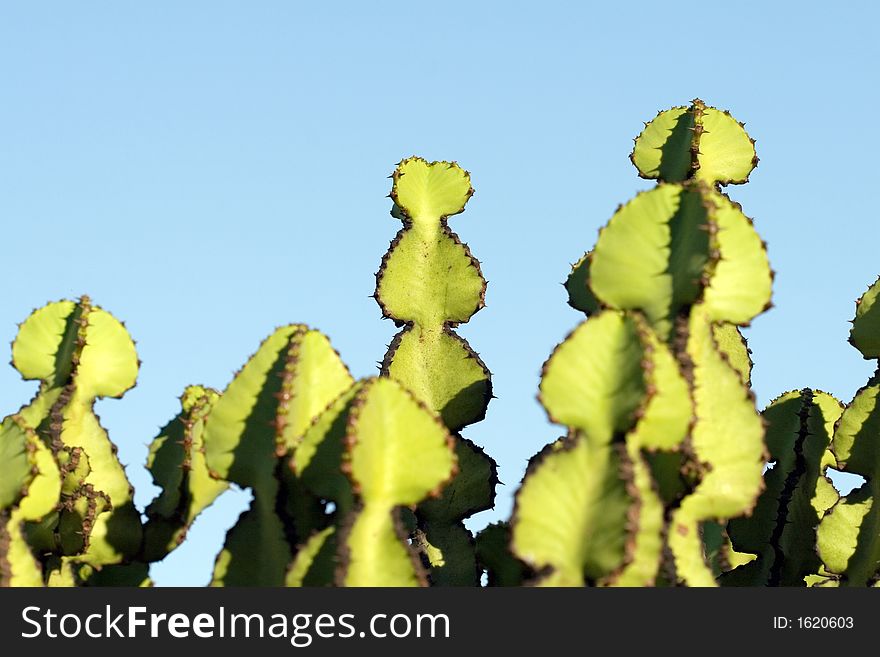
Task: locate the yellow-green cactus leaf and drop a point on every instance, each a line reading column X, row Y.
column 661, row 240
column 398, row 453
column 593, row 381
column 695, row 142
column 570, row 516
column 739, row 288
column 442, row 370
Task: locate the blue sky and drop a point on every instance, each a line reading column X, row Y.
column 207, row 171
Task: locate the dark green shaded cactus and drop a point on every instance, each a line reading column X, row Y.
column 781, row 532
column 848, row 537
column 494, row 555
column 177, row 463
column 16, row 460
column 79, row 353
column 663, row 433
column 441, row 535
column 429, row 283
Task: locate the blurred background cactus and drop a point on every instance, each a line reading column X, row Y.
column 666, row 473
column 653, row 388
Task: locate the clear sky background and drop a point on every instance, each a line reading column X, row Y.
column 207, row 171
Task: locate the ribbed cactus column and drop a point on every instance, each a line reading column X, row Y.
column 430, row 283
column 663, row 433
column 781, row 531
column 85, row 523
column 249, row 437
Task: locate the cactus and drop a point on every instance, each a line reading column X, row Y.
column 781, row 532
column 663, row 434
column 659, row 478
column 177, row 463
column 79, row 353
column 249, row 435
column 848, row 538
column 30, row 488
column 374, row 450
column 429, row 283
column 398, row 454
column 495, row 557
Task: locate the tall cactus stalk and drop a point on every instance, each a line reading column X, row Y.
column 85, row 523
column 249, row 436
column 653, row 387
column 429, row 283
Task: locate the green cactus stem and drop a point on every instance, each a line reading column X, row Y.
column 569, row 522
column 726, row 443
column 248, row 437
column 440, row 520
column 398, row 454
column 30, row 489
column 654, row 386
column 373, row 451
column 619, row 390
column 80, row 353
column 17, row 461
column 177, row 462
column 680, row 243
column 781, row 531
column 695, row 142
column 429, row 283
column 315, row 560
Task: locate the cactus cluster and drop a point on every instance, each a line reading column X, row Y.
column 803, row 532
column 653, row 388
column 666, row 474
